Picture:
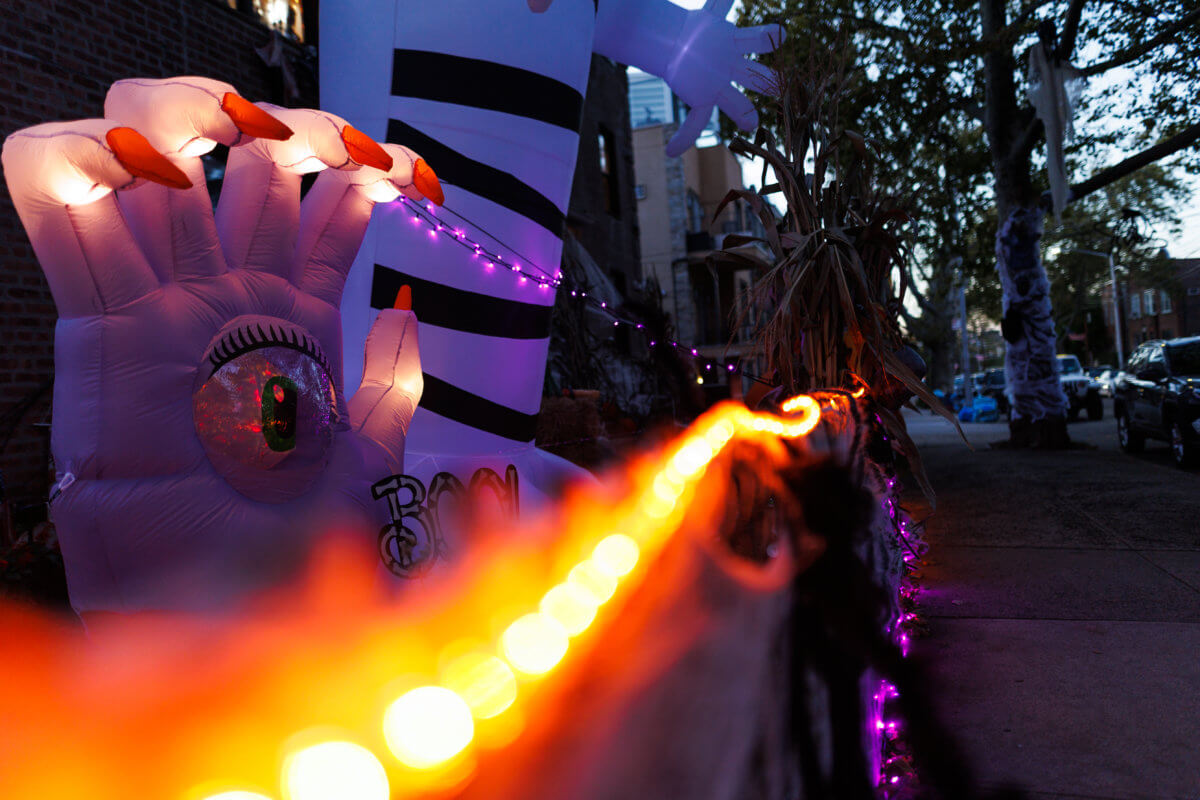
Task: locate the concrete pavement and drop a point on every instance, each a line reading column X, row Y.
column 1062, row 593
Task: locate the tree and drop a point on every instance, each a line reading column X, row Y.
column 1126, row 219
column 929, row 64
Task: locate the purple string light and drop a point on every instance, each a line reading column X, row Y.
column 545, row 280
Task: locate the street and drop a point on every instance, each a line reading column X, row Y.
column 1062, row 592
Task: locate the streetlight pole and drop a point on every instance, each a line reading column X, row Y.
column 968, row 387
column 1112, row 277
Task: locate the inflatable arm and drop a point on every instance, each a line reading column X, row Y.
column 698, row 53
column 200, row 431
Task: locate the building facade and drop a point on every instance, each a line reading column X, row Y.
column 1156, row 312
column 678, row 198
column 603, row 213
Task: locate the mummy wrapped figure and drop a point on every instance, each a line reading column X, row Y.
column 491, row 93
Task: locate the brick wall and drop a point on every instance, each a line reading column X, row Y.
column 610, row 236
column 57, row 59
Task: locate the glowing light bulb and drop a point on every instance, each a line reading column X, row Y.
column 238, row 796
column 700, row 379
column 591, row 578
column 666, row 489
column 309, row 164
column 719, row 434
column 570, row 606
column 79, row 191
column 334, row 771
column 534, row 644
column 484, row 681
column 616, row 554
column 428, row 726
column 380, row 191
column 197, row 147
column 800, row 401
column 692, row 458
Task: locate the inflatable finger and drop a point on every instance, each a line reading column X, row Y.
column 335, row 213
column 258, row 214
column 383, row 406
column 62, row 177
column 184, row 118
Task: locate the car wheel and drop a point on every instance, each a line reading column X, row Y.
column 1095, row 408
column 1183, row 451
column 1130, row 440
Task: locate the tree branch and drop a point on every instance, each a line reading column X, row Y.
column 1137, row 51
column 968, row 106
column 1029, row 137
column 1185, row 138
column 1070, row 31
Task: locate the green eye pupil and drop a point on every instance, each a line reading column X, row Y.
column 279, row 409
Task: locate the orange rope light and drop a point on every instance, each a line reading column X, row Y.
column 597, row 550
column 536, row 643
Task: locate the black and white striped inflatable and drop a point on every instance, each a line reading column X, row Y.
column 490, row 93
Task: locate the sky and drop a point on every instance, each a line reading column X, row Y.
column 1187, row 245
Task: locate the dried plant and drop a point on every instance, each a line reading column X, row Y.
column 840, row 266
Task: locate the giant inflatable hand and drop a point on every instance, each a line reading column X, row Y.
column 199, row 429
column 698, row 53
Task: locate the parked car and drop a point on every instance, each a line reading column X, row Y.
column 1158, row 397
column 1082, row 392
column 1106, row 379
column 996, row 387
column 957, row 398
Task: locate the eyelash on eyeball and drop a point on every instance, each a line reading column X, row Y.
column 240, row 341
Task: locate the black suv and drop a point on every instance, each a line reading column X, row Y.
column 1158, row 396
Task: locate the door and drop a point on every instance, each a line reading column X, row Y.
column 1132, row 385
column 1152, row 388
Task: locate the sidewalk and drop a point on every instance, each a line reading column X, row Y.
column 1063, row 600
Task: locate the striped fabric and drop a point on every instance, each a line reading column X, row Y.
column 501, row 129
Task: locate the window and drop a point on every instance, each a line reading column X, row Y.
column 1165, row 303
column 285, row 16
column 608, row 171
column 639, row 191
column 1155, row 367
column 1148, row 302
column 1135, row 306
column 1136, row 360
column 695, row 212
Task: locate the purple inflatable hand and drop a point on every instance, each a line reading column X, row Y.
column 200, row 432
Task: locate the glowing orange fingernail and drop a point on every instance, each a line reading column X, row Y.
column 252, row 120
column 427, row 182
column 141, row 160
column 365, row 150
column 404, row 298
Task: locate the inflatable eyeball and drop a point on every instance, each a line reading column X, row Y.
column 265, row 408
